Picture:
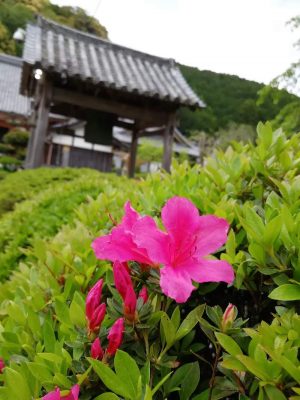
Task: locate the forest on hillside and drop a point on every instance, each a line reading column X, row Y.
column 230, row 100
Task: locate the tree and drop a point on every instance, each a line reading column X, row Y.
column 7, row 45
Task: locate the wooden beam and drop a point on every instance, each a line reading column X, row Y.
column 36, row 146
column 149, row 116
column 133, row 151
column 168, row 143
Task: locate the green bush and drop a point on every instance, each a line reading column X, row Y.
column 247, row 352
column 42, row 216
column 16, row 137
column 24, row 185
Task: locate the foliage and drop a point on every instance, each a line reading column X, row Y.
column 9, row 163
column 229, row 99
column 16, row 14
column 24, row 185
column 16, row 137
column 42, row 216
column 288, row 118
column 148, row 152
column 6, row 43
column 14, row 149
column 247, row 352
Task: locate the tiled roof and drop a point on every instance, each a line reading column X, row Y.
column 75, row 54
column 11, row 101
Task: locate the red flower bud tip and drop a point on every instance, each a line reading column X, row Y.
column 96, row 350
column 56, row 395
column 144, row 294
column 2, row 366
column 115, row 336
column 228, row 317
column 94, row 309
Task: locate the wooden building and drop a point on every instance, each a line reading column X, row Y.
column 14, row 108
column 79, row 75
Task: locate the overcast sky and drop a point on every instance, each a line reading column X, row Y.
column 248, row 38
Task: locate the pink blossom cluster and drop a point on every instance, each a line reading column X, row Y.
column 181, row 250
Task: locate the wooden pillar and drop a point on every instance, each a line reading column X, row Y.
column 35, row 150
column 133, row 151
column 168, row 143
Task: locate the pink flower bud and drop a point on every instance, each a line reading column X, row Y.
column 94, row 309
column 2, row 366
column 122, row 278
column 56, row 395
column 96, row 350
column 228, row 317
column 96, row 320
column 115, row 336
column 125, row 288
column 144, row 294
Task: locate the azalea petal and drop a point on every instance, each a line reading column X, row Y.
column 180, row 217
column 130, row 218
column 74, row 393
column 212, row 234
column 210, row 271
column 176, row 283
column 146, row 235
column 54, row 395
column 119, row 246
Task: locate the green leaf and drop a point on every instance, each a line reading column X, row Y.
column 109, row 378
column 77, row 313
column 253, row 367
column 190, row 380
column 107, row 396
column 148, row 393
column 127, row 371
column 175, row 318
column 160, row 383
column 49, row 337
column 285, row 363
column 40, row 371
column 190, row 321
column 274, row 393
column 232, row 363
column 168, row 329
column 17, row 385
column 287, row 292
column 228, row 344
column 272, row 230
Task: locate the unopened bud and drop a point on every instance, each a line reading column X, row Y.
column 228, row 317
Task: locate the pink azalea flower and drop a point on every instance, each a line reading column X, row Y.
column 125, row 288
column 119, row 244
column 183, row 249
column 2, row 365
column 56, row 395
column 94, row 309
column 115, row 336
column 144, row 294
column 96, row 350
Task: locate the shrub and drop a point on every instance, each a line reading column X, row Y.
column 16, row 137
column 9, row 163
column 247, row 351
column 23, row 185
